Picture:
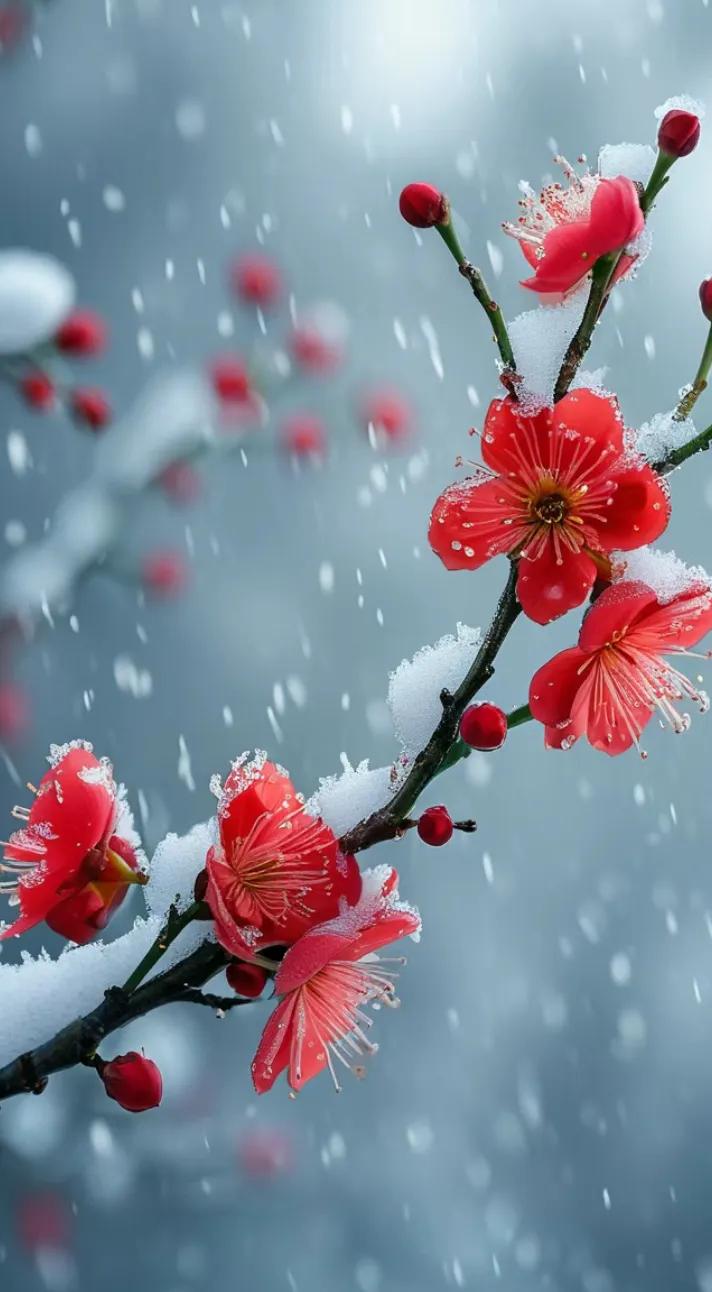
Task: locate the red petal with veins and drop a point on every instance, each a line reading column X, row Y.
column 471, row 522
column 595, row 416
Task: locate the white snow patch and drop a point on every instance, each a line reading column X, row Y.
column 635, row 161
column 664, row 572
column 41, row 995
column 415, row 686
column 36, row 294
column 662, row 434
column 540, row 339
column 683, row 102
column 342, row 801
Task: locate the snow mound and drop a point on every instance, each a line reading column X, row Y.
column 342, row 801
column 540, row 339
column 41, row 995
column 415, row 686
column 36, row 294
column 683, row 102
column 635, row 161
column 658, row 437
column 664, row 572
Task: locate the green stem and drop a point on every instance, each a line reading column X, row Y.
column 174, row 925
column 658, row 180
column 519, row 716
column 675, row 458
column 600, row 284
column 481, row 292
column 688, row 401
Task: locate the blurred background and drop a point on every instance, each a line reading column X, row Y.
column 539, row 1114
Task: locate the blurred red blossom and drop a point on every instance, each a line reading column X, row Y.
column 38, row 391
column 388, row 412
column 303, row 436
column 257, row 279
column 265, row 1152
column 164, row 573
column 90, row 406
column 82, row 333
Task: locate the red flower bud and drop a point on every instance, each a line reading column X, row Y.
column 435, row 826
column 134, row 1081
column 231, row 381
column 38, row 391
column 706, row 298
column 246, row 980
column 91, row 407
column 84, row 332
column 257, row 279
column 304, row 436
column 484, row 726
column 423, row 206
column 164, row 573
column 678, row 133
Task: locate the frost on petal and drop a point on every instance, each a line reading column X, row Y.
column 342, row 801
column 662, row 434
column 415, row 686
column 540, row 339
column 635, row 161
column 664, row 572
column 36, row 294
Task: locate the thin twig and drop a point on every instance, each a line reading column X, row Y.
column 223, row 1004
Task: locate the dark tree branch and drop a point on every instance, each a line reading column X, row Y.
column 79, row 1040
column 387, row 822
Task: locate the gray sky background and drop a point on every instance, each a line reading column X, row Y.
column 538, row 1116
